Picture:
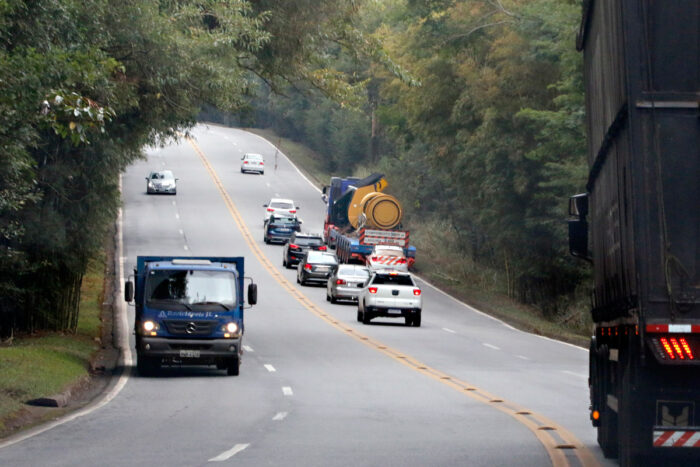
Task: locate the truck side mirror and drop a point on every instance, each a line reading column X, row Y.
column 578, row 228
column 129, row 291
column 252, row 294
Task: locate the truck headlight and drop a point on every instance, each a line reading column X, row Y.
column 149, row 326
column 232, row 328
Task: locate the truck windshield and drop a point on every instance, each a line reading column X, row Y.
column 191, row 287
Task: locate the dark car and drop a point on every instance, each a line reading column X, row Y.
column 297, row 245
column 316, row 266
column 280, row 228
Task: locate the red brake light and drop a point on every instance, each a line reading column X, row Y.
column 373, row 258
column 293, row 211
column 293, row 246
column 686, row 347
column 308, row 267
column 416, row 292
column 402, row 261
column 372, row 289
column 340, row 281
column 322, row 248
column 245, row 162
column 262, row 163
column 270, row 210
column 677, row 348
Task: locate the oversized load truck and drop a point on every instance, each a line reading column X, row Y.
column 642, row 79
column 359, row 216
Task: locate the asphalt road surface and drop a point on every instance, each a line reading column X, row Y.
column 316, row 387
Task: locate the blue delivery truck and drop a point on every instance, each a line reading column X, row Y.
column 189, row 311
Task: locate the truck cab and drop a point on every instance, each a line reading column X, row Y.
column 189, row 311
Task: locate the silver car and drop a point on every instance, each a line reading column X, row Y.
column 346, row 282
column 162, row 181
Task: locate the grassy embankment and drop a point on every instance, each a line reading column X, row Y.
column 470, row 283
column 45, row 364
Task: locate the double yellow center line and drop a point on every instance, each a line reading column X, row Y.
column 561, row 445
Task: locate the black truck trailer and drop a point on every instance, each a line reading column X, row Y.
column 639, row 225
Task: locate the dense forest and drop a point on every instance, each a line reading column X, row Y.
column 473, row 109
column 482, row 131
column 86, row 84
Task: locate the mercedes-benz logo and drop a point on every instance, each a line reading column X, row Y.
column 190, row 328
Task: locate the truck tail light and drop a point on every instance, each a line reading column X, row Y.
column 402, row 261
column 372, row 290
column 686, row 348
column 676, row 346
column 373, row 258
column 667, row 348
column 308, row 267
column 416, row 292
column 340, row 281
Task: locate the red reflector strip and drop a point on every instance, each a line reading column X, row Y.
column 677, row 439
column 677, row 348
column 679, row 328
column 686, row 348
column 667, row 348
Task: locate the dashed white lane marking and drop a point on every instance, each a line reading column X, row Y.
column 491, row 346
column 226, row 455
column 248, row 348
column 270, row 368
column 522, row 357
column 177, row 216
column 174, row 203
column 186, row 247
column 572, row 373
column 280, row 416
column 182, row 232
column 449, row 330
column 287, row 391
column 268, row 184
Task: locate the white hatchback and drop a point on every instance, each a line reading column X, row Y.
column 253, row 163
column 279, row 206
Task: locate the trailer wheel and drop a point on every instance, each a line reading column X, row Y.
column 600, row 370
column 634, row 419
column 233, row 368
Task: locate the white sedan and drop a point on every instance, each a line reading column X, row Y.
column 252, row 163
column 281, row 207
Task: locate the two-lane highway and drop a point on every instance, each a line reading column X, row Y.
column 317, row 387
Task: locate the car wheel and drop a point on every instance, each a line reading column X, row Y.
column 359, row 315
column 365, row 316
column 416, row 320
column 334, row 300
column 408, row 321
column 328, row 297
column 242, row 171
column 298, row 281
column 234, row 367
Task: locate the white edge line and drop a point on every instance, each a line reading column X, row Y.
column 230, row 453
column 449, row 330
column 247, row 348
column 280, row 416
column 490, row 346
column 522, row 357
column 287, row 391
column 126, row 356
column 422, row 279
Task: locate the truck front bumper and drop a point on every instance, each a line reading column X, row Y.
column 206, row 351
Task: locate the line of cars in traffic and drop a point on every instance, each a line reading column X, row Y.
column 382, row 288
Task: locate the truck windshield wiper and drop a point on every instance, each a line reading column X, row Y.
column 171, row 301
column 212, row 303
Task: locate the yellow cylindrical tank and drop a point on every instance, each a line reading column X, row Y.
column 380, row 211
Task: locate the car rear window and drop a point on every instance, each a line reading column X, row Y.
column 392, row 279
column 321, row 258
column 255, row 157
column 350, row 270
column 308, row 241
column 281, row 205
column 283, row 220
column 388, row 252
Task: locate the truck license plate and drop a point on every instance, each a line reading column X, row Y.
column 189, row 354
